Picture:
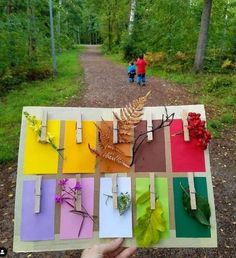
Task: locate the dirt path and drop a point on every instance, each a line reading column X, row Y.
column 107, row 86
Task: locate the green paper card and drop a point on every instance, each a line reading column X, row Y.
column 186, row 226
column 161, row 187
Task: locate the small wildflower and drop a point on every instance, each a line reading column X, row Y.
column 63, row 182
column 78, row 186
column 36, row 126
column 59, row 199
column 49, row 138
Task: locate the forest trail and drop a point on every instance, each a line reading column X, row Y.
column 107, row 85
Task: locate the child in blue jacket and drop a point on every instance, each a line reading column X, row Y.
column 131, row 72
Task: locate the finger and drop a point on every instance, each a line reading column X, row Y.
column 127, row 252
column 116, row 252
column 109, row 247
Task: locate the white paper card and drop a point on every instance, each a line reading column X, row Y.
column 111, row 223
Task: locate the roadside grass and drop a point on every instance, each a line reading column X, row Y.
column 221, row 102
column 53, row 91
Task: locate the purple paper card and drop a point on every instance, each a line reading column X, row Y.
column 70, row 222
column 38, row 226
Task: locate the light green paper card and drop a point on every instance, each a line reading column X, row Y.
column 161, row 187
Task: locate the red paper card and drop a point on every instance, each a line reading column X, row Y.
column 186, row 156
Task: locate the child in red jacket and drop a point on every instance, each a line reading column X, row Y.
column 141, row 70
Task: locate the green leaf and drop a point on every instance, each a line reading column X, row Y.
column 149, row 226
column 123, row 201
column 203, row 213
column 157, row 221
column 147, row 236
column 143, row 198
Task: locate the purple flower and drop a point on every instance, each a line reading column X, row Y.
column 78, row 186
column 63, row 181
column 59, row 199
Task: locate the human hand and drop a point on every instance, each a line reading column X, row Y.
column 112, row 249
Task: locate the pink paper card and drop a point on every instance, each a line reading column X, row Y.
column 70, row 222
column 186, row 156
column 38, row 226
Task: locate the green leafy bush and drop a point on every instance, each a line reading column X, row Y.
column 174, row 68
column 12, row 78
column 155, row 58
column 228, row 64
column 181, row 57
column 216, row 124
column 214, row 127
column 217, row 84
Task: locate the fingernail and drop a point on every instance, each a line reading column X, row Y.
column 119, row 240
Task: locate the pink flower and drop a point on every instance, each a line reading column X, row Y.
column 78, row 186
column 63, row 181
column 59, row 199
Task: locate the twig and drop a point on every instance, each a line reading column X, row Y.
column 81, row 225
column 108, row 196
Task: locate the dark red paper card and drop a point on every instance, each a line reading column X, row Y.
column 186, row 156
column 150, row 156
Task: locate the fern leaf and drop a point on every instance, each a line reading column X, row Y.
column 93, row 151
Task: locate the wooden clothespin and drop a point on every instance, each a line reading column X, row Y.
column 79, row 128
column 152, row 191
column 192, row 191
column 37, row 194
column 78, row 203
column 114, row 190
column 115, row 130
column 44, row 118
column 149, row 126
column 185, row 126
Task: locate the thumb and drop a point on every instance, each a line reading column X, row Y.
column 109, row 247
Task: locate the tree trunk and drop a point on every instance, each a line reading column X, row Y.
column 109, row 30
column 131, row 16
column 59, row 25
column 203, row 34
column 54, row 62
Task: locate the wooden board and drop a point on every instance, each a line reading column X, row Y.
column 63, row 114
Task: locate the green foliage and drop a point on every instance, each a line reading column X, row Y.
column 227, row 118
column 173, row 68
column 155, row 58
column 149, row 226
column 203, row 213
column 54, row 91
column 214, row 126
column 228, row 64
column 218, row 83
column 171, row 27
column 130, row 51
column 12, row 78
column 25, row 38
column 181, row 57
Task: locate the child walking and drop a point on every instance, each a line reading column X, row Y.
column 131, row 72
column 141, row 70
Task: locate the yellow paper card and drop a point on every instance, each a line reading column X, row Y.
column 77, row 156
column 41, row 158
